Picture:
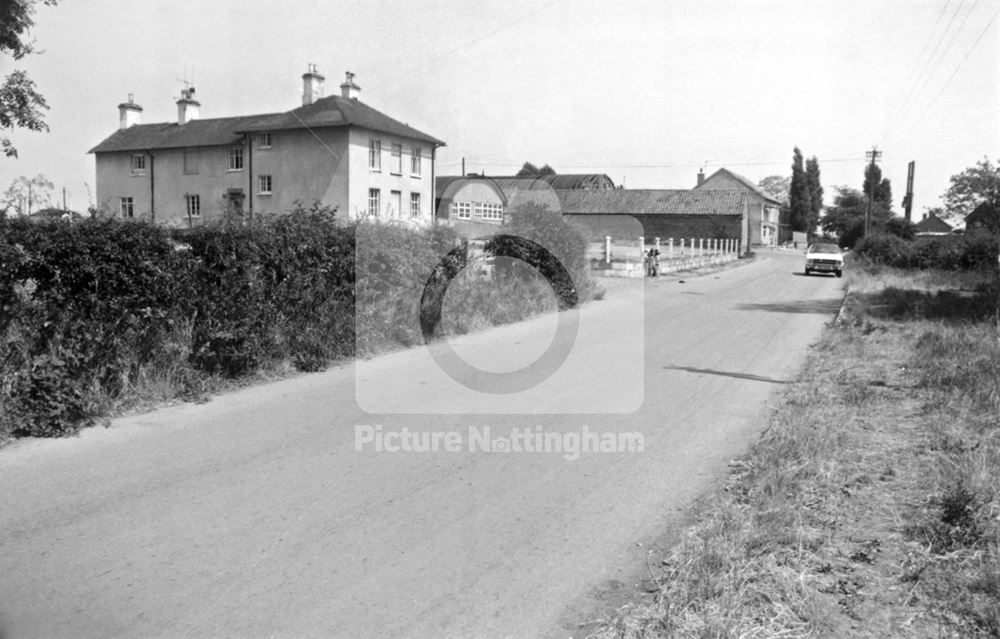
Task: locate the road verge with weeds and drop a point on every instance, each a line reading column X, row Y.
column 871, row 505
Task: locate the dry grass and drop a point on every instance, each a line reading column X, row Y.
column 871, row 505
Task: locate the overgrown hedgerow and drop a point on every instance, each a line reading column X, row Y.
column 104, row 314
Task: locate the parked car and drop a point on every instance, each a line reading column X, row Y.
column 825, row 258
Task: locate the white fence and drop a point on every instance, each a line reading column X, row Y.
column 625, row 257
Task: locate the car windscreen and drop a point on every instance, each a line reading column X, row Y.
column 824, row 248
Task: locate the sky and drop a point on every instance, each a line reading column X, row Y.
column 648, row 92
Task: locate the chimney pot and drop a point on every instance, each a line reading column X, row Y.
column 187, row 106
column 349, row 89
column 312, row 85
column 129, row 113
column 701, row 176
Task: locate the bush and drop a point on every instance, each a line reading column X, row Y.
column 946, row 252
column 101, row 314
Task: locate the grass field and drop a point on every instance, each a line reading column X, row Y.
column 871, row 505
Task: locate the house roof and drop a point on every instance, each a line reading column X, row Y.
column 742, row 180
column 652, row 202
column 932, row 224
column 331, row 111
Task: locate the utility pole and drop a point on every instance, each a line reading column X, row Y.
column 64, row 198
column 908, row 200
column 873, row 155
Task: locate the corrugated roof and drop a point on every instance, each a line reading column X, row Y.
column 559, row 181
column 331, row 111
column 652, row 202
column 744, row 181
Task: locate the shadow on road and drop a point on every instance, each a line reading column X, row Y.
column 827, row 306
column 801, row 274
column 708, row 371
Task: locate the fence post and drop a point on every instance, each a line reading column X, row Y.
column 701, row 247
column 607, row 249
column 670, row 248
column 657, row 246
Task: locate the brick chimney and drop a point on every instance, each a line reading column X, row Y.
column 701, row 176
column 129, row 113
column 187, row 106
column 349, row 89
column 312, row 85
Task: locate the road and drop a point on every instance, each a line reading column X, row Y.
column 254, row 515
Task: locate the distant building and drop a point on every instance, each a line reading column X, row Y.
column 708, row 214
column 474, row 205
column 763, row 210
column 932, row 225
column 984, row 217
column 335, row 150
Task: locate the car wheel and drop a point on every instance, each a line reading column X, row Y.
column 808, row 271
column 840, row 274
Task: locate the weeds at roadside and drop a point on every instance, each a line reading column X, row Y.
column 871, row 505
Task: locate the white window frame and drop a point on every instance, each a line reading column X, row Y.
column 396, row 163
column 489, row 211
column 416, row 154
column 415, row 211
column 264, row 185
column 374, row 202
column 461, row 210
column 375, row 154
column 235, row 158
column 137, row 165
column 264, row 140
column 127, row 207
column 192, row 203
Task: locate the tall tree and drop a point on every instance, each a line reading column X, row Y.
column 530, row 170
column 815, row 193
column 799, row 199
column 777, row 187
column 974, row 186
column 21, row 105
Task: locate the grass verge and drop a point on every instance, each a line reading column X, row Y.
column 871, row 505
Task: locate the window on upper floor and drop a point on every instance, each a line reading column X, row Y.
column 375, row 155
column 414, row 205
column 374, row 202
column 127, row 208
column 138, row 166
column 193, row 204
column 264, row 140
column 236, row 158
column 415, row 161
column 396, row 166
column 264, row 184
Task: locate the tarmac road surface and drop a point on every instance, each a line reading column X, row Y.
column 255, row 515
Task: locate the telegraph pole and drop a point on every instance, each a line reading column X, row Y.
column 873, row 155
column 908, row 200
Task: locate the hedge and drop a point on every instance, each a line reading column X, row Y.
column 946, row 252
column 101, row 315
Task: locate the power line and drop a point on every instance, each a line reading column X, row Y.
column 951, row 42
column 920, row 56
column 599, row 165
column 957, row 68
